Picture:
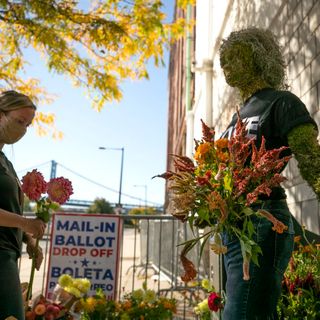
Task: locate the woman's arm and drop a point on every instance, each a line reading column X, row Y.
column 35, row 227
column 304, row 145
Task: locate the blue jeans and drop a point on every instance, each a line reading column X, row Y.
column 11, row 303
column 256, row 299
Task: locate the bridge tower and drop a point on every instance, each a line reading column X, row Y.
column 53, row 172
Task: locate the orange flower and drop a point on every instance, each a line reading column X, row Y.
column 278, row 226
column 222, row 156
column 202, row 149
column 126, row 305
column 216, row 202
column 221, row 143
column 297, row 239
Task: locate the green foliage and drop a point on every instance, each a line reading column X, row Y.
column 137, row 305
column 97, row 44
column 300, row 299
column 142, row 210
column 100, row 205
column 304, row 144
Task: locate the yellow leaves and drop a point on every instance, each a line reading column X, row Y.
column 44, row 124
column 184, row 3
column 96, row 47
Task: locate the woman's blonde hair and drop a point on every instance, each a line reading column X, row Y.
column 12, row 100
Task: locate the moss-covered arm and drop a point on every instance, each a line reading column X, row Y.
column 304, row 145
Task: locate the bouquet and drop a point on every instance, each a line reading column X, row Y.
column 300, row 298
column 218, row 189
column 213, row 302
column 137, row 305
column 58, row 190
column 67, row 292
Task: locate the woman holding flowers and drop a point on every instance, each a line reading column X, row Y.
column 16, row 114
column 252, row 62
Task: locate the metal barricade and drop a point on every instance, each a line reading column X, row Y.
column 150, row 255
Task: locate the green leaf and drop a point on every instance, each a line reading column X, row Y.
column 227, row 179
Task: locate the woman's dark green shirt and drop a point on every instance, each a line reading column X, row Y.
column 11, row 199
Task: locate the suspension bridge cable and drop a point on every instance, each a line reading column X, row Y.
column 34, row 167
column 105, row 187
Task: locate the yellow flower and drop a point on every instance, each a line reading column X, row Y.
column 65, row 280
column 82, row 284
column 137, row 294
column 206, row 284
column 89, row 304
column 150, row 296
column 203, row 306
column 74, row 291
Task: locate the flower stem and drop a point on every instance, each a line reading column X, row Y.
column 33, row 267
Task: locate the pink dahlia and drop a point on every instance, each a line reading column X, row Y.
column 214, row 302
column 33, row 185
column 59, row 190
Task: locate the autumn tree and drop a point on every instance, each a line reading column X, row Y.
column 97, row 44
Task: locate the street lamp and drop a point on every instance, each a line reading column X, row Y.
column 121, row 170
column 145, row 194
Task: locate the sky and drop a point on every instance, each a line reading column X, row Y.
column 138, row 123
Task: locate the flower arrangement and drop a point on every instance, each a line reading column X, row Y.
column 58, row 192
column 45, row 309
column 212, row 303
column 141, row 304
column 300, row 298
column 66, row 293
column 228, row 176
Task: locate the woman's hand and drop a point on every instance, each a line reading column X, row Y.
column 32, row 250
column 35, row 227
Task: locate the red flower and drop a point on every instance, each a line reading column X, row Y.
column 59, row 190
column 214, row 302
column 33, row 185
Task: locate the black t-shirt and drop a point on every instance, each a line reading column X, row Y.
column 10, row 200
column 272, row 114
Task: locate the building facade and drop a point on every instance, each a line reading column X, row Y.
column 296, row 23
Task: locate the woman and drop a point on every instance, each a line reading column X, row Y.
column 16, row 114
column 252, row 62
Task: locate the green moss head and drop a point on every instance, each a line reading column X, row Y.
column 260, row 55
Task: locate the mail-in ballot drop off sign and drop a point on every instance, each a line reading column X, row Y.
column 85, row 246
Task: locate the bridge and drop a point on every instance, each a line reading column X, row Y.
column 126, row 207
column 80, row 205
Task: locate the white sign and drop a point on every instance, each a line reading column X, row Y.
column 85, row 246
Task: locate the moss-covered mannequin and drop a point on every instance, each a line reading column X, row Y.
column 252, row 63
column 247, row 68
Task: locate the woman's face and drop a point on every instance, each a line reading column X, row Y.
column 238, row 66
column 14, row 124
